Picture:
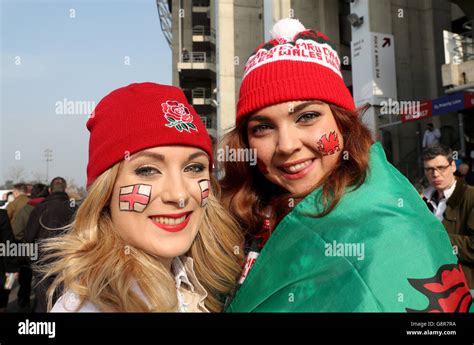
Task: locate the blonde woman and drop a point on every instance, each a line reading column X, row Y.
column 150, row 235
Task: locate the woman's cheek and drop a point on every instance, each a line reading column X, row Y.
column 134, row 198
column 262, row 162
column 262, row 167
column 328, row 143
column 204, row 186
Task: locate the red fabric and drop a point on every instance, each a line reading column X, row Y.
column 137, row 117
column 35, row 201
column 447, row 290
column 275, row 82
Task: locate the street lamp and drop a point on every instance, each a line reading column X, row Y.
column 48, row 154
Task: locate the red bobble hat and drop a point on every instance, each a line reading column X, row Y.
column 141, row 116
column 297, row 64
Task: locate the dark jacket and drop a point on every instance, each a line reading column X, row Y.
column 22, row 217
column 459, row 222
column 7, row 263
column 54, row 212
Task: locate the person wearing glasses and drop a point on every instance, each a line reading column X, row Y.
column 452, row 201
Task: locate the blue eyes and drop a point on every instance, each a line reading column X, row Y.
column 259, row 128
column 196, row 168
column 303, row 118
column 147, row 171
column 308, row 116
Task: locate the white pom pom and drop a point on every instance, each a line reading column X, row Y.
column 287, row 28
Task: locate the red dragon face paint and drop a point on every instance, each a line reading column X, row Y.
column 204, row 185
column 328, row 145
column 134, row 198
column 262, row 167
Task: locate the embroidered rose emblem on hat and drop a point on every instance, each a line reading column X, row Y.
column 178, row 116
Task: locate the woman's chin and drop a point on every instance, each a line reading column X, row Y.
column 300, row 194
column 302, row 188
column 170, row 253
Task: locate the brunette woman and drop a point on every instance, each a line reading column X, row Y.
column 339, row 228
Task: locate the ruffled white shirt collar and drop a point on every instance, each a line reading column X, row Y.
column 191, row 294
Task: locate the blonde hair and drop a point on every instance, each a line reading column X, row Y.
column 91, row 260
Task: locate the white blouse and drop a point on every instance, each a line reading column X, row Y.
column 191, row 294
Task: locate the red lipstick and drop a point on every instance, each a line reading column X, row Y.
column 172, row 227
column 300, row 174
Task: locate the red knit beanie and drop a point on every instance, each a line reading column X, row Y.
column 297, row 64
column 140, row 116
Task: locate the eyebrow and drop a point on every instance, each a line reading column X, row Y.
column 296, row 109
column 148, row 154
column 436, row 166
column 303, row 105
column 197, row 154
column 160, row 157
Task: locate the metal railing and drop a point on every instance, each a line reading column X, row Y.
column 465, row 43
column 201, row 92
column 201, row 3
column 196, row 57
column 204, row 31
column 207, row 121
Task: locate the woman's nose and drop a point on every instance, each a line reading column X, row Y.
column 175, row 192
column 288, row 142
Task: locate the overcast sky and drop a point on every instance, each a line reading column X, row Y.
column 73, row 50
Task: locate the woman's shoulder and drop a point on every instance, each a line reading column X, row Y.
column 71, row 303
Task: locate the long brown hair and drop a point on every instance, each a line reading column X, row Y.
column 245, row 189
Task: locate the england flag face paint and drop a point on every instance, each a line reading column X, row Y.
column 134, row 198
column 204, row 185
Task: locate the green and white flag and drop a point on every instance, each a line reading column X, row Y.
column 380, row 249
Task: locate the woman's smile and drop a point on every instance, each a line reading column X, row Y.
column 172, row 222
column 297, row 170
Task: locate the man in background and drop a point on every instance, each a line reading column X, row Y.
column 19, row 192
column 432, row 136
column 38, row 193
column 452, row 201
column 46, row 221
column 465, row 172
column 8, row 264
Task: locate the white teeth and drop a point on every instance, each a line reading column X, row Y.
column 169, row 221
column 297, row 167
